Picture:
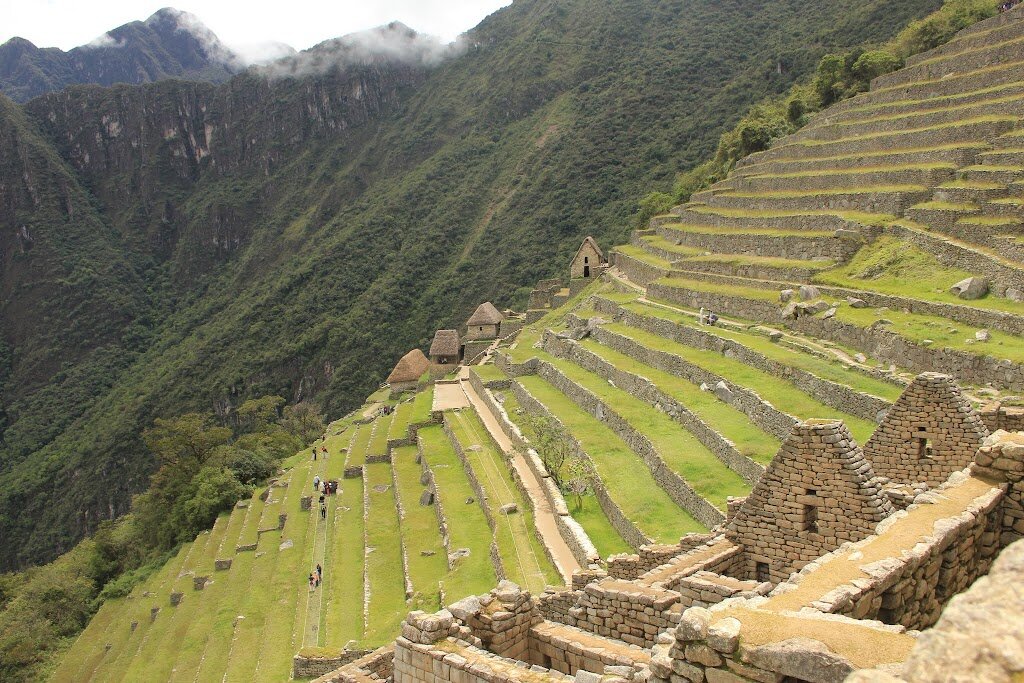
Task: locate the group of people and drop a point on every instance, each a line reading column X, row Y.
column 1009, row 4
column 708, row 318
column 316, row 578
column 323, row 450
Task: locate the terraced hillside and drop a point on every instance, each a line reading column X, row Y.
column 851, row 233
column 415, row 523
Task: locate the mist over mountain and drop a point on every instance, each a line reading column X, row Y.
column 169, row 44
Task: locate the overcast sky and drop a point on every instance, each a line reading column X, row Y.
column 299, row 23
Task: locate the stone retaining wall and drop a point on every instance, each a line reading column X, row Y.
column 784, row 246
column 670, row 481
column 629, row 532
column 640, row 272
column 997, row 416
column 760, row 412
column 376, row 665
column 838, row 396
column 647, row 391
column 306, row 664
column 442, row 520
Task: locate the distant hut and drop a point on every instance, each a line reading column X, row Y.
column 588, row 261
column 408, row 371
column 484, row 322
column 444, row 350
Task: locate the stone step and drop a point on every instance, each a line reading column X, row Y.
column 793, row 244
column 963, row 192
column 991, row 173
column 1010, row 50
column 851, row 177
column 1004, row 206
column 948, row 86
column 820, row 221
column 941, row 155
column 979, row 131
column 1003, row 157
column 881, row 200
column 940, row 216
column 912, row 115
column 757, row 267
column 974, row 37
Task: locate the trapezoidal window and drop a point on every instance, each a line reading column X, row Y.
column 810, row 512
column 923, row 444
column 761, row 572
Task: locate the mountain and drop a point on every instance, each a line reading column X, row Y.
column 183, row 246
column 169, row 44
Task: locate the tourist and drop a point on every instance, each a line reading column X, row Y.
column 316, row 482
column 314, row 452
column 319, row 571
column 712, row 318
column 701, row 319
column 323, row 511
column 312, row 582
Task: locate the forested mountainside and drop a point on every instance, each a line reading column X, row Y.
column 176, row 246
column 169, row 44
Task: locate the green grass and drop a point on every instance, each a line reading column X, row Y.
column 988, row 118
column 834, row 371
column 796, row 194
column 764, row 232
column 749, row 439
column 421, row 406
column 522, row 555
column 400, row 425
column 357, row 451
column 990, row 220
column 467, row 527
column 627, row 479
column 379, row 441
column 723, row 289
column 589, row 515
column 945, row 206
column 767, row 261
column 384, row 557
column 489, row 373
column 420, row 533
column 682, row 452
column 892, row 266
column 644, row 255
column 780, row 393
column 943, row 332
column 343, row 584
column 858, row 169
column 923, row 110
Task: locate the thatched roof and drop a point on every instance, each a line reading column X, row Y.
column 409, row 369
column 485, row 314
column 592, row 242
column 446, row 343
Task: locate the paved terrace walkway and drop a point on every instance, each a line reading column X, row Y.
column 544, row 516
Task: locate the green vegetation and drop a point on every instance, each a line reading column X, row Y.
column 419, row 533
column 522, row 555
column 891, row 266
column 489, row 373
column 627, row 479
column 474, row 573
column 384, row 557
column 422, row 405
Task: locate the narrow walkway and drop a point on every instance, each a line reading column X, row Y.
column 315, row 599
column 543, row 516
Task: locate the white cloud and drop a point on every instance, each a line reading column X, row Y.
column 299, row 23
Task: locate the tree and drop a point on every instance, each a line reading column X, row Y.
column 185, row 441
column 304, row 421
column 579, row 472
column 257, row 414
column 551, row 443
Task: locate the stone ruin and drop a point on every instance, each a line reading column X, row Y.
column 882, row 563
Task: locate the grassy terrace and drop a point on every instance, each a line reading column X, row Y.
column 834, row 371
column 681, row 450
column 749, row 439
column 741, row 291
column 522, row 555
column 342, row 612
column 643, row 255
column 357, row 451
column 400, row 425
column 421, row 406
column 420, row 533
column 793, row 194
column 856, row 216
column 467, row 526
column 379, row 441
column 627, row 479
column 989, row 118
column 489, row 373
column 891, row 266
column 587, row 512
column 383, row 556
column 779, row 393
column 846, row 170
column 768, row 232
column 769, row 261
column 659, row 242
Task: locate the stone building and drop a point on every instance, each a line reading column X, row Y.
column 589, row 261
column 815, row 577
column 408, row 371
column 446, row 349
column 484, row 323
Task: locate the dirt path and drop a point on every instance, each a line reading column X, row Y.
column 543, row 516
column 449, row 396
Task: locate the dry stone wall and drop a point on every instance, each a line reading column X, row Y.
column 674, row 485
column 649, row 392
column 308, row 665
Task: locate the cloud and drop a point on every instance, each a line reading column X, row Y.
column 104, row 40
column 254, row 54
column 394, row 42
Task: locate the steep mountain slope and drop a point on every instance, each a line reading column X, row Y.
column 169, row 44
column 296, row 235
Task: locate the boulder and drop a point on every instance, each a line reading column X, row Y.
column 970, row 288
column 830, row 313
column 508, row 509
column 786, row 295
column 809, row 292
column 804, row 659
column 982, row 335
column 856, row 303
column 723, row 392
column 817, row 307
column 791, row 311
column 427, row 497
column 860, row 358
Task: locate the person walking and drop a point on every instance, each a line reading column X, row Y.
column 320, row 571
column 316, row 482
column 314, row 453
column 312, row 582
column 323, row 511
